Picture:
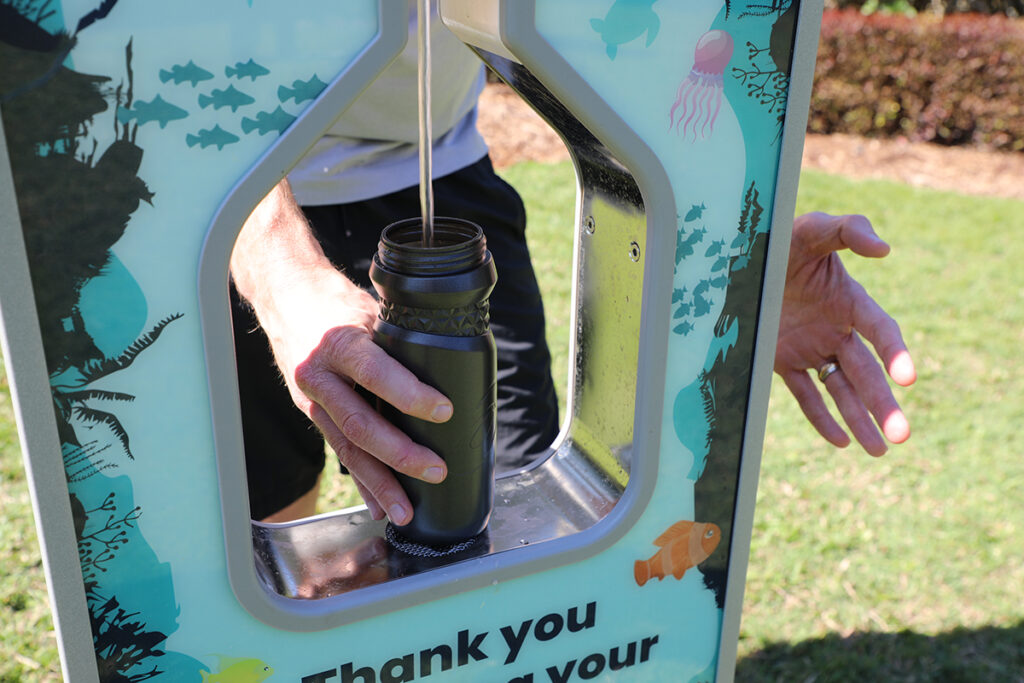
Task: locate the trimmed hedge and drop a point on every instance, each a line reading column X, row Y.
column 1012, row 8
column 953, row 81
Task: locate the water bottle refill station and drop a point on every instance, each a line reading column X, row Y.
column 136, row 139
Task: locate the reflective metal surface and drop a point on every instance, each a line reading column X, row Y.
column 609, row 274
column 585, row 474
column 344, row 551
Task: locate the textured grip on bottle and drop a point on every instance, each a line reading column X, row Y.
column 401, row 543
column 466, row 321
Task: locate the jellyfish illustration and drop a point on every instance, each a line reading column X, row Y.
column 699, row 97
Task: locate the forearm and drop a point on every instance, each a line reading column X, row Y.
column 319, row 324
column 276, row 250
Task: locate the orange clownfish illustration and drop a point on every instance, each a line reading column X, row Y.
column 683, row 545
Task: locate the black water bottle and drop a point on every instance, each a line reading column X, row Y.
column 434, row 320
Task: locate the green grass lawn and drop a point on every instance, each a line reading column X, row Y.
column 909, row 567
column 28, row 648
column 906, row 568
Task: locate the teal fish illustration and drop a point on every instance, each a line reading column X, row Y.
column 720, row 263
column 213, row 136
column 701, row 306
column 695, row 212
column 188, row 72
column 267, row 121
column 720, row 282
column 238, row 670
column 701, row 287
column 301, row 90
column 740, row 240
column 678, row 294
column 249, row 69
column 231, row 97
column 682, row 311
column 715, row 248
column 683, row 328
column 684, row 247
column 627, row 20
column 158, row 110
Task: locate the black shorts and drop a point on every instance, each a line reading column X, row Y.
column 285, row 452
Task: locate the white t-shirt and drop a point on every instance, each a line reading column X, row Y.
column 371, row 150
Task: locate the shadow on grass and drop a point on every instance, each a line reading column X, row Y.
column 963, row 655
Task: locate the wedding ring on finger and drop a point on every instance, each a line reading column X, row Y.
column 828, row 369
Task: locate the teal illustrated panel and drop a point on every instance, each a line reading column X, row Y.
column 128, row 123
column 712, row 111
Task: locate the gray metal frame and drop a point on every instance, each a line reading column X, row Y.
column 215, row 313
column 40, row 444
column 602, row 518
column 561, row 507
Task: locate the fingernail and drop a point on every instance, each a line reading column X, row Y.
column 442, row 412
column 397, row 513
column 433, row 475
column 902, row 369
column 896, row 428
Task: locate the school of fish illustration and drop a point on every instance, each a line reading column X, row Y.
column 229, row 97
column 157, row 109
column 164, row 110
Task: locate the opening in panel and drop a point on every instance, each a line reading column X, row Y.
column 316, row 549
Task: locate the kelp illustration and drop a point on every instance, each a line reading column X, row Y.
column 98, row 545
column 767, row 76
column 75, row 202
column 761, row 10
column 74, row 404
column 764, row 10
column 121, row 640
column 122, row 643
column 725, row 387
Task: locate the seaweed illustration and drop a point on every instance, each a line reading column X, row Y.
column 767, row 79
column 122, row 643
column 73, row 404
column 121, row 640
column 724, row 388
column 763, row 10
column 99, row 546
column 75, row 202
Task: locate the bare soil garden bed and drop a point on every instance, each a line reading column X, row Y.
column 516, row 133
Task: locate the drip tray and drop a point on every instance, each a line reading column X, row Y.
column 339, row 552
